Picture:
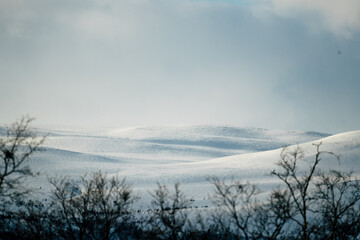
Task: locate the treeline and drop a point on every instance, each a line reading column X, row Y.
column 311, row 204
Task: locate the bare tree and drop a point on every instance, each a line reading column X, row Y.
column 94, row 208
column 169, row 212
column 236, row 200
column 271, row 216
column 338, row 199
column 299, row 183
column 16, row 148
column 30, row 221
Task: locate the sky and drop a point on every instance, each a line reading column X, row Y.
column 277, row 64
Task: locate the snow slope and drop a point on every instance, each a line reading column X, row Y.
column 182, row 144
column 185, row 154
column 253, row 167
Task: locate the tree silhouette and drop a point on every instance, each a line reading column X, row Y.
column 169, row 212
column 93, row 208
column 16, row 148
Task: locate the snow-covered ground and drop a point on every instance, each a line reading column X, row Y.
column 185, row 154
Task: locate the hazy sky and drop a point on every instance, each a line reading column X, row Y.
column 284, row 64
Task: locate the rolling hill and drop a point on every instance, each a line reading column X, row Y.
column 185, row 154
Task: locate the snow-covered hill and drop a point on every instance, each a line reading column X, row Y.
column 185, row 154
column 193, row 143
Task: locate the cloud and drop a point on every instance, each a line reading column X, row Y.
column 13, row 16
column 167, row 62
column 340, row 17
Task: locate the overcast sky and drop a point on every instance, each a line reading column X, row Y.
column 278, row 64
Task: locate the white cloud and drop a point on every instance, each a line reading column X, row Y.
column 180, row 61
column 109, row 22
column 97, row 23
column 13, row 16
column 340, row 17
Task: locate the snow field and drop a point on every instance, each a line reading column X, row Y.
column 185, row 154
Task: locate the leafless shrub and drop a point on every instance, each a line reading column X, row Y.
column 94, row 208
column 300, row 185
column 338, row 198
column 16, row 148
column 236, row 202
column 270, row 217
column 169, row 216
